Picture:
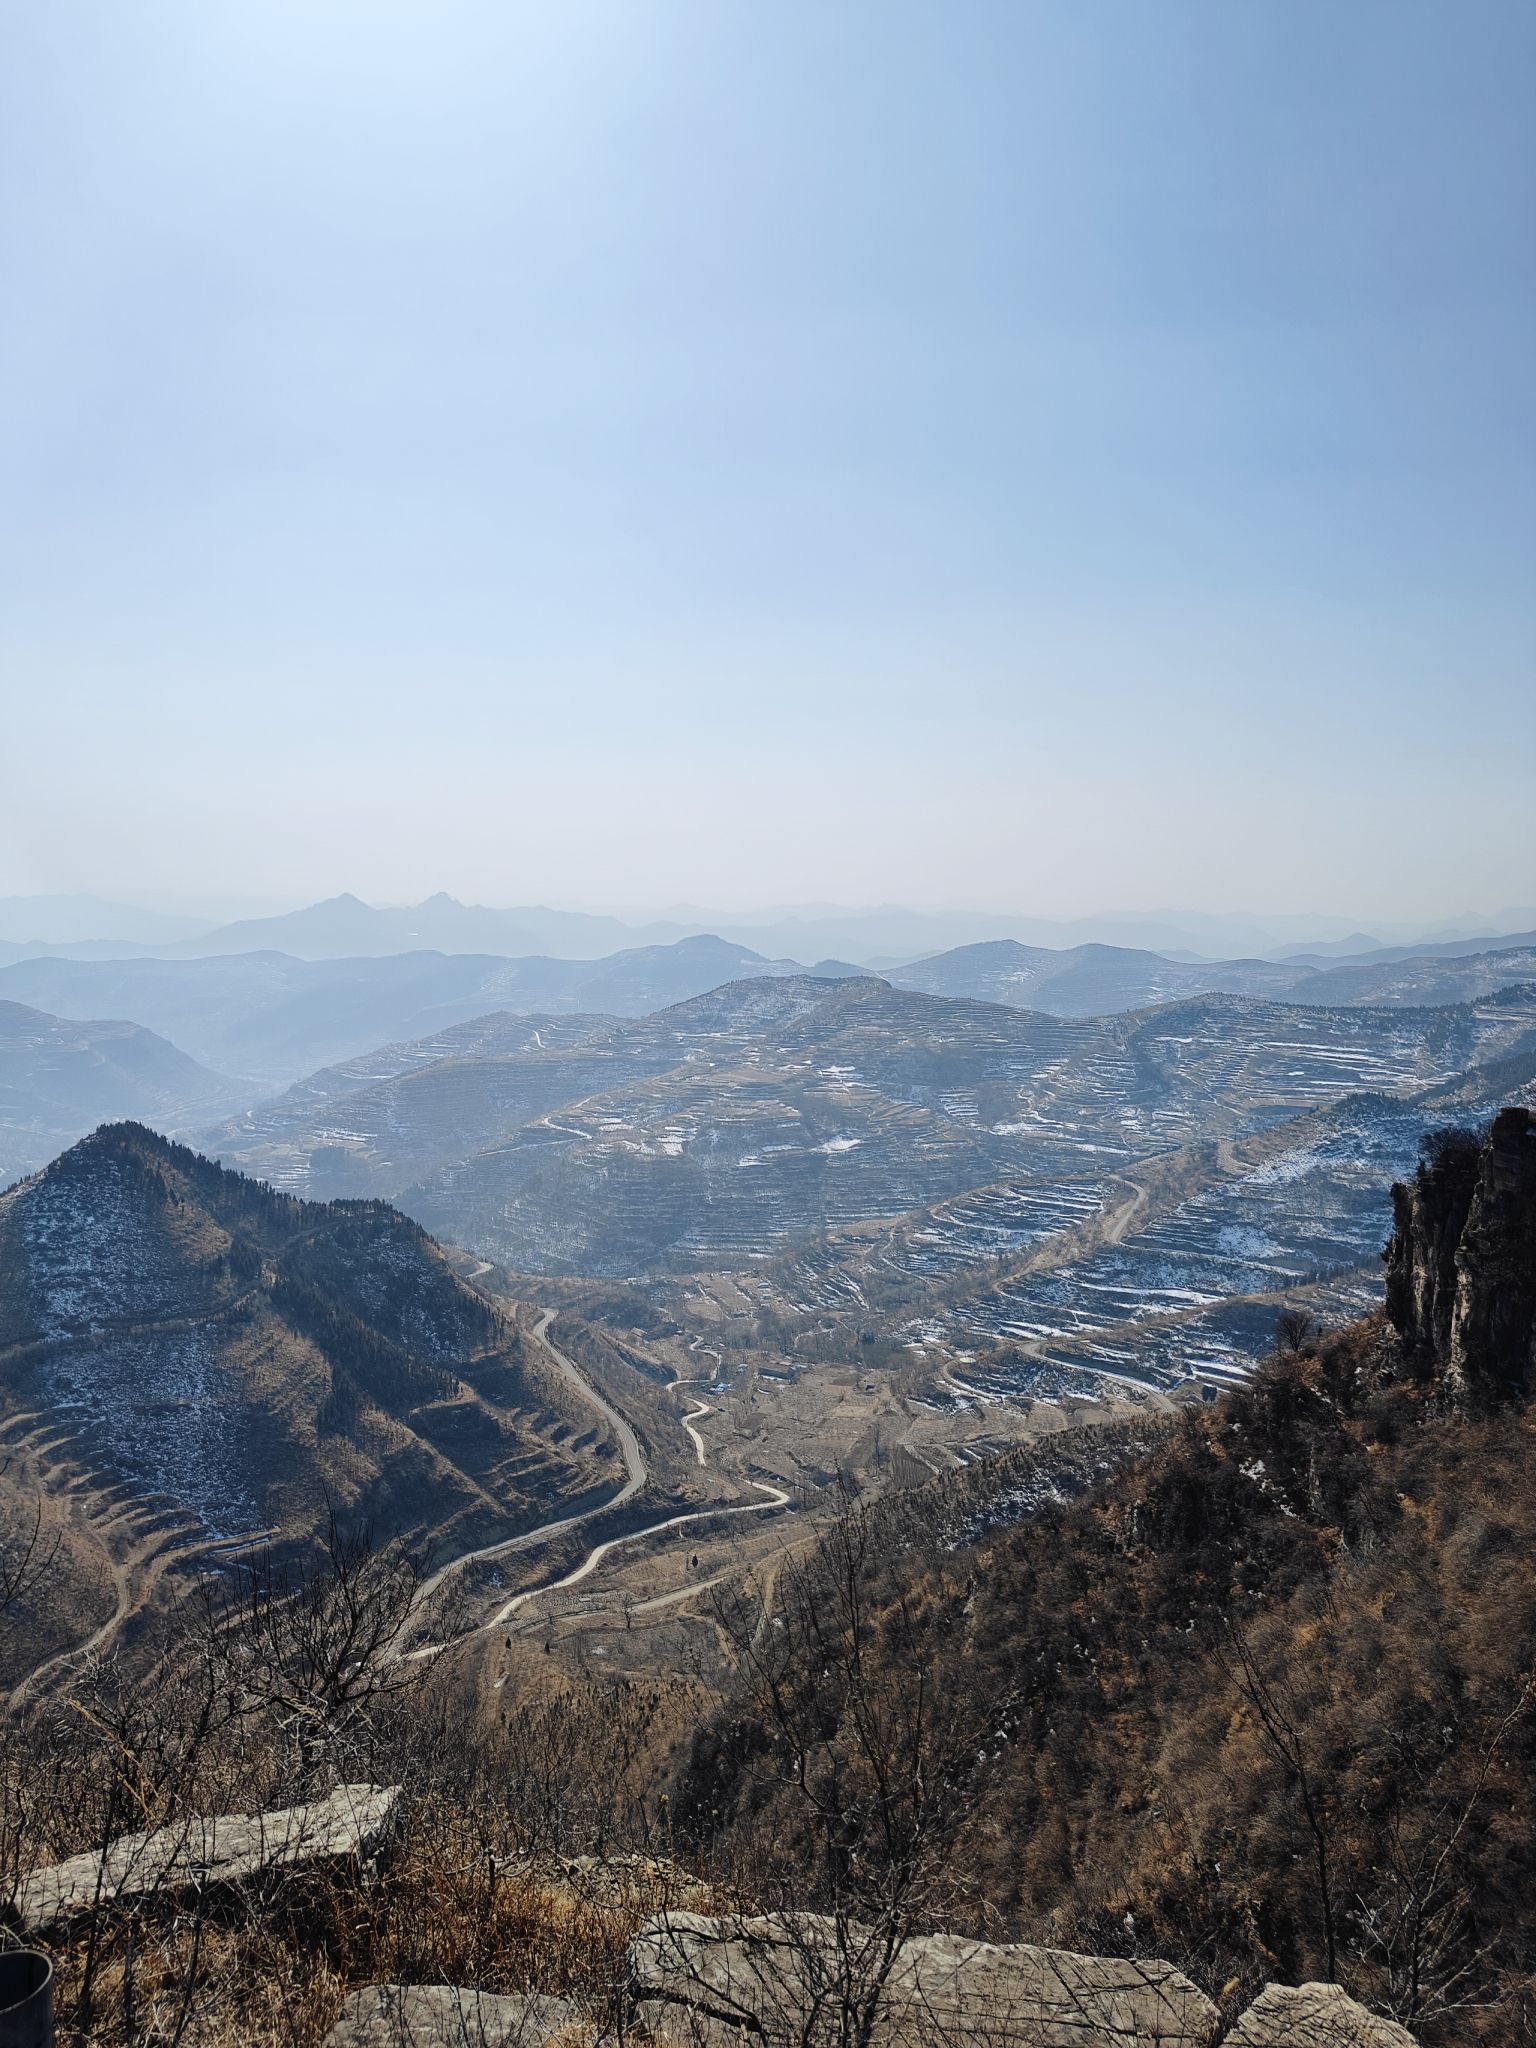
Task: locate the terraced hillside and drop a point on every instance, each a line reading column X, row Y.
column 185, row 1341
column 735, row 1124
column 1190, row 1288
column 377, row 1124
column 1166, row 1274
column 59, row 1079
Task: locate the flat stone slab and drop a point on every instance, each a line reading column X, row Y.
column 1313, row 2016
column 444, row 2016
column 227, row 1849
column 784, row 1977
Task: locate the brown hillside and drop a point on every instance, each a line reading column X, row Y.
column 191, row 1348
column 1261, row 1703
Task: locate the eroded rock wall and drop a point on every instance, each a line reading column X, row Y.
column 1461, row 1266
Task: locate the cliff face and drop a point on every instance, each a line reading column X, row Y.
column 1461, row 1267
column 1429, row 1213
column 1493, row 1326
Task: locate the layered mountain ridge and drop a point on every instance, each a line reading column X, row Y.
column 881, row 936
column 276, row 1018
column 767, row 1110
column 58, row 1076
column 1090, row 980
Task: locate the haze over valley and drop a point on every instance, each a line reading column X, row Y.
column 1029, row 1172
column 768, row 1024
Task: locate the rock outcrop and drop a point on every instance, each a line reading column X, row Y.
column 1313, row 2016
column 798, row 1980
column 791, row 1977
column 348, row 1828
column 1429, row 1214
column 1461, row 1267
column 1493, row 1325
column 444, row 2016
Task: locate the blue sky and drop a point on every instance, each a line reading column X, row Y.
column 1051, row 457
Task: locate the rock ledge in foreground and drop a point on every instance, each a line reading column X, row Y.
column 1313, row 2016
column 197, row 1854
column 442, row 2016
column 783, row 1977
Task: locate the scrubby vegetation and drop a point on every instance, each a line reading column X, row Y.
column 1262, row 1704
column 276, row 1686
column 1252, row 1690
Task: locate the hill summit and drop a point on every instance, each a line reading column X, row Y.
column 263, row 1360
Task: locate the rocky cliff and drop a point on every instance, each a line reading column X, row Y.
column 1461, row 1266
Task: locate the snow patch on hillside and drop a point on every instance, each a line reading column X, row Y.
column 92, row 1260
column 161, row 1410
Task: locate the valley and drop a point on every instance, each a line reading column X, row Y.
column 1094, row 1206
column 704, row 1265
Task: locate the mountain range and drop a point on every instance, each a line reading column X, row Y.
column 885, row 936
column 764, row 1113
column 271, row 1018
column 1094, row 980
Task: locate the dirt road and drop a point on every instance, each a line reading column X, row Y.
column 634, row 1466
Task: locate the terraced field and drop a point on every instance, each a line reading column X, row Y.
column 1192, row 1293
column 1179, row 1284
column 986, row 1224
column 775, row 1110
column 1007, row 1128
column 1040, row 1203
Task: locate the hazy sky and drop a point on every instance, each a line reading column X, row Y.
column 1052, row 454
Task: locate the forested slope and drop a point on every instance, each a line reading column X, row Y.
column 1261, row 1702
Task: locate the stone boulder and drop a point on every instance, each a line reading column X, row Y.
column 348, row 1828
column 443, row 2016
column 1313, row 2016
column 784, row 1978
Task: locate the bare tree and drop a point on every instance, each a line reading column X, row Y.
column 1282, row 1724
column 1296, row 1329
column 1416, row 1917
column 313, row 1651
column 869, row 1773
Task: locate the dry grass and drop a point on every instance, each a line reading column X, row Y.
column 271, row 1967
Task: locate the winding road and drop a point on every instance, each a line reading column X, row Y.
column 635, row 1468
column 694, row 1415
column 777, row 1498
